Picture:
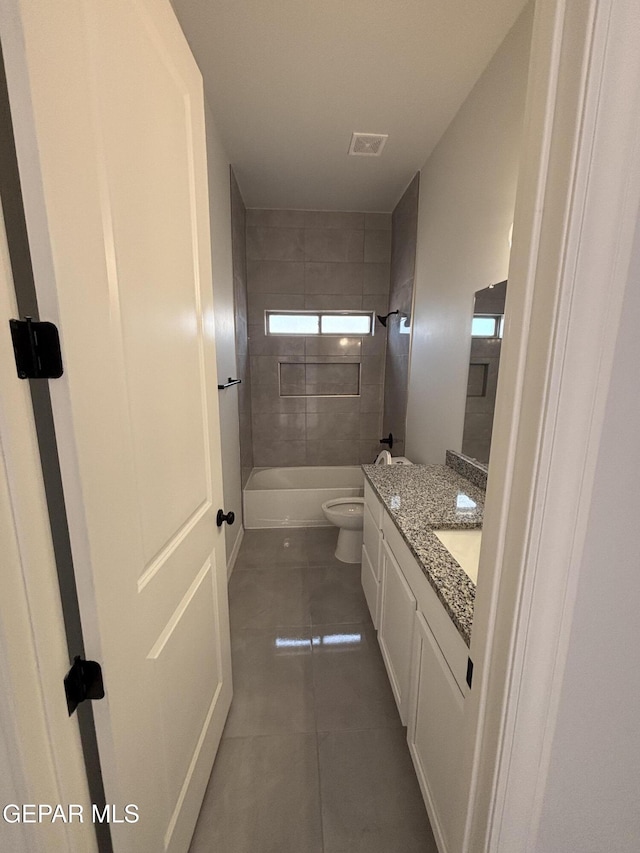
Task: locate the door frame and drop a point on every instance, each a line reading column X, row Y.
column 576, row 214
column 42, row 745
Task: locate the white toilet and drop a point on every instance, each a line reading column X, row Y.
column 348, row 515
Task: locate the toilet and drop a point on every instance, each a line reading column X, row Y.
column 348, row 515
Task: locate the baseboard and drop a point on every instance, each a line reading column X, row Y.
column 235, row 552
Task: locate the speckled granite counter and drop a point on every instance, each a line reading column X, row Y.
column 422, row 498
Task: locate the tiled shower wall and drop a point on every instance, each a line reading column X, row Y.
column 238, row 238
column 403, row 265
column 316, row 260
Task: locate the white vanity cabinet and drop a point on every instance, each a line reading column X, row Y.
column 426, row 661
column 371, row 571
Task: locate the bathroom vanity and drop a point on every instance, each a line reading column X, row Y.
column 421, row 602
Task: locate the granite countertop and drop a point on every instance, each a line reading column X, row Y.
column 422, row 498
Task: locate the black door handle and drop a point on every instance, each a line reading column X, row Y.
column 388, row 440
column 230, row 517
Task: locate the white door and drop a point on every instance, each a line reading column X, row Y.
column 108, row 111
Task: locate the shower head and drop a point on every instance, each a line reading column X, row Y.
column 384, row 319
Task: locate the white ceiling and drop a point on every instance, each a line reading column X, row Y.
column 288, row 82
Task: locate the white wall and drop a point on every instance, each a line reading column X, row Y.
column 222, row 267
column 467, row 198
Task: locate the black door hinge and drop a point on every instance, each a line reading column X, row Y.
column 37, row 349
column 469, row 671
column 83, row 681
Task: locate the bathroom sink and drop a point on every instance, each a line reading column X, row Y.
column 464, row 547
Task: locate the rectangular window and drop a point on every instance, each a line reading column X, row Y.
column 319, row 322
column 345, row 324
column 487, row 326
column 293, row 324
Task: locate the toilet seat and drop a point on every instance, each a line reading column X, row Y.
column 345, row 513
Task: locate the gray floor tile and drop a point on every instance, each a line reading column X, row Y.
column 336, row 594
column 267, row 793
column 371, row 802
column 269, row 599
column 272, row 683
column 272, row 549
column 352, row 690
column 321, row 546
column 262, row 798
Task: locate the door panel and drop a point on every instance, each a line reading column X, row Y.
column 108, row 110
column 397, row 612
column 147, row 141
column 435, row 733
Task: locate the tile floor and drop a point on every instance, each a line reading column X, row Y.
column 314, row 758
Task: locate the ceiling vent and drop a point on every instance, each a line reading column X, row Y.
column 367, row 144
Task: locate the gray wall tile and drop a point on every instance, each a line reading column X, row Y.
column 333, row 346
column 287, row 453
column 377, row 221
column 333, row 405
column 292, row 380
column 269, row 427
column 334, row 244
column 368, row 450
column 238, row 253
column 276, row 218
column 261, row 344
column 343, row 278
column 375, row 343
column 403, row 257
column 377, row 246
column 404, row 236
column 332, row 278
column 260, row 302
column 370, row 425
column 372, row 369
column 376, row 278
column 275, row 244
column 491, row 300
column 333, row 427
column 275, row 276
column 334, row 219
column 377, row 302
column 333, row 378
column 371, row 398
column 333, row 452
column 266, row 398
column 332, row 302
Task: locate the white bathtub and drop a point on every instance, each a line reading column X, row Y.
column 293, row 497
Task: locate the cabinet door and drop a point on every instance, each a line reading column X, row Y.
column 397, row 616
column 435, row 729
column 370, row 586
column 371, row 538
column 371, row 557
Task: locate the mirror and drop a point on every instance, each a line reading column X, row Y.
column 484, row 361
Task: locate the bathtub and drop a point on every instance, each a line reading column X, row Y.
column 293, row 497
